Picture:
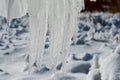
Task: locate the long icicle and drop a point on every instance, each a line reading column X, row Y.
column 34, row 21
column 66, row 40
column 56, row 23
column 43, row 24
column 38, row 29
column 78, row 5
column 52, row 24
column 16, row 9
column 66, row 29
column 71, row 14
column 3, row 8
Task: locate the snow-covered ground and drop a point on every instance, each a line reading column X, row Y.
column 97, row 36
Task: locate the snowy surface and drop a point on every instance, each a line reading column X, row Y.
column 14, row 50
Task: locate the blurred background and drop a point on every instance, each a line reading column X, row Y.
column 102, row 5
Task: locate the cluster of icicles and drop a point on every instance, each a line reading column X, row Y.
column 59, row 17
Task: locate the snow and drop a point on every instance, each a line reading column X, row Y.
column 111, row 72
column 94, row 73
column 96, row 51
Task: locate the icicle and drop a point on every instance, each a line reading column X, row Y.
column 33, row 12
column 3, row 8
column 38, row 28
column 51, row 21
column 16, row 9
column 77, row 6
column 71, row 14
column 67, row 33
column 43, row 23
column 56, row 24
column 62, row 19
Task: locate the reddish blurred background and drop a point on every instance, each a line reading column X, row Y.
column 102, row 5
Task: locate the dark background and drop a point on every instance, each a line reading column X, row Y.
column 102, row 5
